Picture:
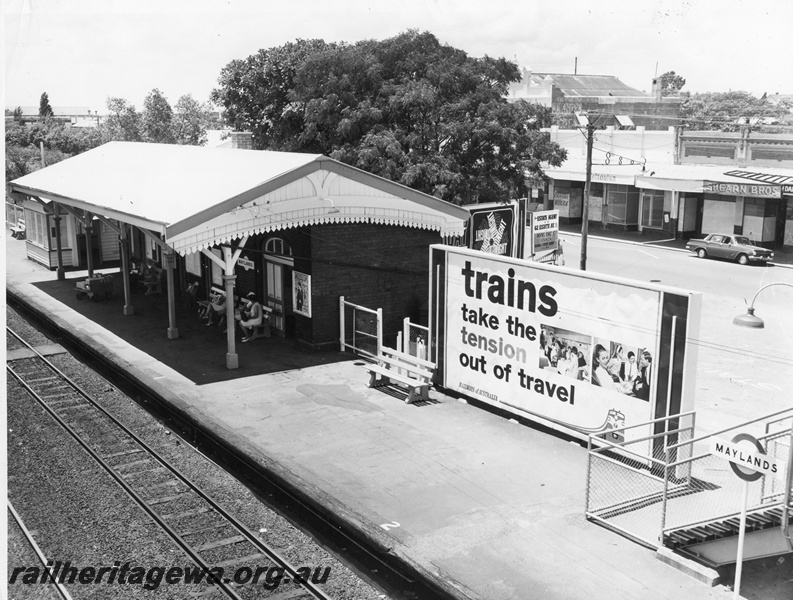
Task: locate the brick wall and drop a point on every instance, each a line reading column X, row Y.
column 376, row 266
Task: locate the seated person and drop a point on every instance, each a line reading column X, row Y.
column 251, row 317
column 215, row 307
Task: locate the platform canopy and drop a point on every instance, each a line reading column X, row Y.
column 197, row 197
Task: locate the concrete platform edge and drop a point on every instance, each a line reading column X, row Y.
column 685, row 565
column 316, row 499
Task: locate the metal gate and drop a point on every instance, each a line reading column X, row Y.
column 360, row 329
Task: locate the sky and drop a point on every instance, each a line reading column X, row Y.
column 83, row 51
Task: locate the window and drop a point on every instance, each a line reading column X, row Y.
column 277, row 246
column 192, row 263
column 622, row 205
column 217, row 270
column 37, row 231
column 653, row 209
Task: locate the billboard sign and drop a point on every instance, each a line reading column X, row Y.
column 576, row 351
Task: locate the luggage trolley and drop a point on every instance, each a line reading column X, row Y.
column 98, row 285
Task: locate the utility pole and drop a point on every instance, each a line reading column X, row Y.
column 590, row 134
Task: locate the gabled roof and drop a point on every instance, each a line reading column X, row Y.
column 589, row 85
column 194, row 196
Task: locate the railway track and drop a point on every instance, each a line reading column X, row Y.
column 235, row 562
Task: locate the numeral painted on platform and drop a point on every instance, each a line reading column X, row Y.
column 391, row 525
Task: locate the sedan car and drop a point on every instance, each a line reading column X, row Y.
column 731, row 247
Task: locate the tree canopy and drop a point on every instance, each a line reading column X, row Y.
column 155, row 122
column 729, row 111
column 671, row 83
column 407, row 108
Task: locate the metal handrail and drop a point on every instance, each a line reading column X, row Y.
column 710, row 435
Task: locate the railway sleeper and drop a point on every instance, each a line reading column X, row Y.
column 164, row 499
column 144, row 471
column 235, row 539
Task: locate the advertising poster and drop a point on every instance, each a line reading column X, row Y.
column 301, row 293
column 568, row 202
column 493, row 228
column 579, row 352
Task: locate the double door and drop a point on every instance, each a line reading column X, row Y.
column 275, row 284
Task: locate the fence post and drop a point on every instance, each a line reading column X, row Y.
column 666, row 495
column 379, row 331
column 406, row 335
column 588, row 473
column 341, row 323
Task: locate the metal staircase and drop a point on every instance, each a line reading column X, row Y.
column 660, row 486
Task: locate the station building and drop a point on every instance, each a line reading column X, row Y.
column 299, row 230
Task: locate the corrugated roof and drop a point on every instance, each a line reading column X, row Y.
column 589, row 85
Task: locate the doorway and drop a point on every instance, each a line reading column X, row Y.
column 278, row 264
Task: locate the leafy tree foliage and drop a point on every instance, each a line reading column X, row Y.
column 23, row 144
column 729, row 111
column 156, row 119
column 408, row 108
column 190, row 121
column 671, row 83
column 45, row 110
column 122, row 123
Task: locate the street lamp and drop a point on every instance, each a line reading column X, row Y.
column 750, row 319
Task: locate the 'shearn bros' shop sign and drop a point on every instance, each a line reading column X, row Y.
column 743, row 189
column 576, row 351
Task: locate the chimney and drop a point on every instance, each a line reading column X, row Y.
column 656, row 90
column 242, row 140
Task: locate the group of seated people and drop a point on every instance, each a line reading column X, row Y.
column 249, row 313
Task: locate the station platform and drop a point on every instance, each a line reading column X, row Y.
column 483, row 506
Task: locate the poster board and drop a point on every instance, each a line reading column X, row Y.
column 497, row 227
column 543, row 231
column 301, row 293
column 505, row 328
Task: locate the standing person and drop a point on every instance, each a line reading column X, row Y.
column 641, row 385
column 251, row 317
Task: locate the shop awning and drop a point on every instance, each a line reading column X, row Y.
column 709, row 178
column 576, row 171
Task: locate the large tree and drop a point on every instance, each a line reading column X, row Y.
column 406, row 108
column 156, row 119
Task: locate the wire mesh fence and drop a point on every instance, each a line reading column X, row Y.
column 415, row 339
column 646, row 488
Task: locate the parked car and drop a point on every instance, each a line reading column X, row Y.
column 731, row 247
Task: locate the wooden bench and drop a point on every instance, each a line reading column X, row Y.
column 18, row 230
column 394, row 367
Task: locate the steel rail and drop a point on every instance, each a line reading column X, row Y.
column 233, row 521
column 61, row 589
